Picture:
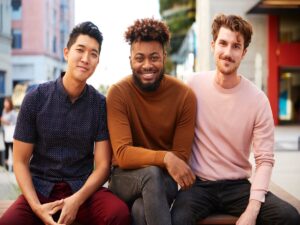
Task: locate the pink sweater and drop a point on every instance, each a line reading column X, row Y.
column 229, row 123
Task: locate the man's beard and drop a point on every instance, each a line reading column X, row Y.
column 147, row 87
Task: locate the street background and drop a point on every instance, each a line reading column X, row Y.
column 286, row 172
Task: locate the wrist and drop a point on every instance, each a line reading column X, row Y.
column 254, row 206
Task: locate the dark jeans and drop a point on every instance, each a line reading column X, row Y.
column 102, row 208
column 148, row 191
column 231, row 197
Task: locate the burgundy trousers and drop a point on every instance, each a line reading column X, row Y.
column 102, row 208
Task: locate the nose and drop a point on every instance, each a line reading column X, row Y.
column 85, row 57
column 147, row 64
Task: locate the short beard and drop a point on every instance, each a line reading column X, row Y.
column 147, row 87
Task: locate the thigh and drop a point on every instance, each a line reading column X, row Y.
column 277, row 211
column 103, row 207
column 234, row 196
column 171, row 187
column 132, row 184
column 194, row 203
column 20, row 213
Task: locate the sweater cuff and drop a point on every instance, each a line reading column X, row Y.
column 258, row 195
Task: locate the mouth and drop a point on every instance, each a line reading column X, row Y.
column 148, row 76
column 82, row 68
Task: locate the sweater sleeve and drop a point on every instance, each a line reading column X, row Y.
column 185, row 128
column 263, row 144
column 127, row 156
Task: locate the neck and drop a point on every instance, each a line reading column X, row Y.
column 73, row 87
column 227, row 81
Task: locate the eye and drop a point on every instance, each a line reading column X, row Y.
column 79, row 50
column 154, row 58
column 237, row 46
column 139, row 58
column 94, row 55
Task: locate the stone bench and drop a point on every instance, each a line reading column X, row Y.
column 214, row 219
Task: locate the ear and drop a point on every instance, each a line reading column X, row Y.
column 212, row 46
column 244, row 52
column 66, row 52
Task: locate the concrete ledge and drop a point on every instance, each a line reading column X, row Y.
column 214, row 219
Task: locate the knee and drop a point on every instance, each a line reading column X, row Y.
column 153, row 172
column 119, row 215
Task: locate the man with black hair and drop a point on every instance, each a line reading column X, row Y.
column 151, row 119
column 62, row 151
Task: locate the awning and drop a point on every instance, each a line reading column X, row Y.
column 276, row 7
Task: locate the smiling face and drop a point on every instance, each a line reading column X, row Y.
column 147, row 64
column 228, row 51
column 82, row 58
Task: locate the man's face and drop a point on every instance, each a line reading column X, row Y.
column 82, row 57
column 147, row 64
column 228, row 51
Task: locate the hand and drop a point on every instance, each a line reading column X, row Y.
column 250, row 215
column 179, row 170
column 69, row 210
column 45, row 211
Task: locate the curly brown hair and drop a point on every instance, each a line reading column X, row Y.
column 148, row 29
column 234, row 23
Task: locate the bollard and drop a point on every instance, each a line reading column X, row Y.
column 299, row 143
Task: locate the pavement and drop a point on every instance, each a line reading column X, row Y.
column 286, row 172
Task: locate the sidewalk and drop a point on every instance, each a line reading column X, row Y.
column 286, row 172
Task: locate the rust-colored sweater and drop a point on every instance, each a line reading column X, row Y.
column 143, row 126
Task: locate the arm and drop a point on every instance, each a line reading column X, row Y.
column 98, row 177
column 182, row 144
column 263, row 143
column 21, row 154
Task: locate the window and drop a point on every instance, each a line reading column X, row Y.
column 17, row 38
column 289, row 28
column 2, row 83
column 54, row 47
column 16, row 7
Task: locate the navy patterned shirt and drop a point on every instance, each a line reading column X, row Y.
column 63, row 134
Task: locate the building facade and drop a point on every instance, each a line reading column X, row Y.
column 40, row 29
column 5, row 48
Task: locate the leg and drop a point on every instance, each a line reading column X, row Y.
column 103, row 208
column 277, row 212
column 273, row 212
column 149, row 184
column 194, row 204
column 20, row 213
column 138, row 211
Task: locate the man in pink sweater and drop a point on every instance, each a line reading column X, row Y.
column 233, row 116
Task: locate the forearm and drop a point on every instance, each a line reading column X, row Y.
column 131, row 157
column 97, row 178
column 260, row 182
column 24, row 180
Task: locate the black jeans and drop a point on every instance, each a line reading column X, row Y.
column 230, row 197
column 149, row 192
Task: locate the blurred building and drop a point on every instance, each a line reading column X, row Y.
column 40, row 29
column 5, row 49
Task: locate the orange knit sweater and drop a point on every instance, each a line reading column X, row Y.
column 143, row 126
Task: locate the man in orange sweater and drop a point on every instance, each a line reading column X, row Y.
column 151, row 118
column 233, row 115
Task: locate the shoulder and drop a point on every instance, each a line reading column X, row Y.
column 40, row 92
column 121, row 87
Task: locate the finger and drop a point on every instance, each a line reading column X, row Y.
column 55, row 209
column 56, row 203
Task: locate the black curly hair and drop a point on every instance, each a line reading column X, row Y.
column 148, row 29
